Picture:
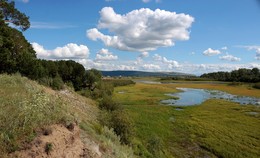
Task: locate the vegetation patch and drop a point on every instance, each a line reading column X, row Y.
column 24, row 107
column 216, row 128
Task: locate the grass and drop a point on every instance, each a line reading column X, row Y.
column 27, row 106
column 217, row 128
column 242, row 90
column 24, row 107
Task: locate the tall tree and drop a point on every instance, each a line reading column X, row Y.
column 16, row 53
column 9, row 14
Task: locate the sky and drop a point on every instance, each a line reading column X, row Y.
column 189, row 36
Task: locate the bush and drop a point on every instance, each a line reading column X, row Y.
column 108, row 104
column 57, row 83
column 46, row 81
column 122, row 125
column 154, row 145
column 257, row 85
column 119, row 82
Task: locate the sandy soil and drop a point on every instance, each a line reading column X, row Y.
column 58, row 141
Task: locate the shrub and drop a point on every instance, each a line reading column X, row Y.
column 154, row 145
column 257, row 85
column 57, row 83
column 122, row 125
column 119, row 82
column 48, row 148
column 235, row 84
column 46, row 81
column 108, row 104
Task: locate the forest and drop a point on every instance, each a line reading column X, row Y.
column 240, row 75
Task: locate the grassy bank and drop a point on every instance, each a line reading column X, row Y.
column 217, row 128
column 27, row 107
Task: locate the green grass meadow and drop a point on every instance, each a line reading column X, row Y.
column 216, row 128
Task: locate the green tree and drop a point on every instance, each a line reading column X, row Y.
column 93, row 77
column 16, row 52
column 122, row 125
column 8, row 13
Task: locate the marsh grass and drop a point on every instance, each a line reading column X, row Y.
column 216, row 128
column 242, row 90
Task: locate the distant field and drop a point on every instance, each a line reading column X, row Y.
column 217, row 128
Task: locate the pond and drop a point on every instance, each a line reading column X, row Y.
column 191, row 96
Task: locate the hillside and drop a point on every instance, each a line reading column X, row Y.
column 142, row 74
column 36, row 121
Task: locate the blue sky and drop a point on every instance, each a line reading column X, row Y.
column 191, row 36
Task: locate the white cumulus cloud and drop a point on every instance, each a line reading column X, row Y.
column 69, row 51
column 211, row 52
column 171, row 63
column 141, row 30
column 229, row 58
column 104, row 54
column 256, row 49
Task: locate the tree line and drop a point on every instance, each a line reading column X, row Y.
column 240, row 75
column 17, row 55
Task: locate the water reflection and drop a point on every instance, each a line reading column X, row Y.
column 190, row 96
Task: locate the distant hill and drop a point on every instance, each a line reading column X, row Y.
column 142, row 74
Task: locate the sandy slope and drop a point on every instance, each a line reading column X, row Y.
column 65, row 142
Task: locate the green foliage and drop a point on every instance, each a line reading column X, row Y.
column 93, row 77
column 154, row 145
column 215, row 128
column 16, row 53
column 11, row 14
column 57, row 83
column 24, row 107
column 102, row 90
column 119, row 82
column 48, row 148
column 108, row 104
column 122, row 125
column 240, row 75
column 257, row 85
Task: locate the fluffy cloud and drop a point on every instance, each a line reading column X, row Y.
column 199, row 69
column 144, row 55
column 256, row 49
column 258, row 54
column 141, row 30
column 211, row 52
column 69, row 51
column 229, row 58
column 151, row 67
column 104, row 54
column 88, row 64
column 171, row 63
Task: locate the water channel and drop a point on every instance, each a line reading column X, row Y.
column 191, row 96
